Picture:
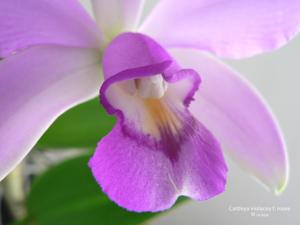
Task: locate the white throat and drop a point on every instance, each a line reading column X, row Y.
column 153, row 87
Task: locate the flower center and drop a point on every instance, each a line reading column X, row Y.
column 149, row 106
column 153, row 87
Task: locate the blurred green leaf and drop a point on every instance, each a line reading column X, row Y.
column 81, row 126
column 67, row 194
column 20, row 222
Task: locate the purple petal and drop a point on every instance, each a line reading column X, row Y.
column 240, row 119
column 116, row 16
column 134, row 176
column 157, row 151
column 132, row 51
column 24, row 23
column 36, row 86
column 140, row 177
column 233, row 29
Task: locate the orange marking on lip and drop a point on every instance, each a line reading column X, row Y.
column 162, row 117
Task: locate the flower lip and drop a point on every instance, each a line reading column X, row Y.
column 125, row 159
column 150, row 93
column 161, row 121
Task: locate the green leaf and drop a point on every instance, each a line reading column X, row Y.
column 25, row 221
column 82, row 126
column 67, row 194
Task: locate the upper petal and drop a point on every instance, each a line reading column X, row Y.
column 233, row 29
column 116, row 16
column 131, row 51
column 240, row 119
column 24, row 23
column 36, row 86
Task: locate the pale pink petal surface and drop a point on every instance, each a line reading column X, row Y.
column 227, row 28
column 38, row 85
column 24, row 23
column 116, row 16
column 239, row 118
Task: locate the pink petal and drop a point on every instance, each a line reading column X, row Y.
column 141, row 177
column 134, row 176
column 233, row 29
column 116, row 16
column 36, row 86
column 24, row 23
column 239, row 118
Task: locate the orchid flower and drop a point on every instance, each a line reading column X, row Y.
column 178, row 107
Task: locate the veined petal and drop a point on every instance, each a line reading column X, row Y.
column 158, row 150
column 36, row 86
column 233, row 29
column 116, row 16
column 240, row 119
column 25, row 23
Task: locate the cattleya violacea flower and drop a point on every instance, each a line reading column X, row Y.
column 175, row 104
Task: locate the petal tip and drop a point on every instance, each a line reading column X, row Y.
column 283, row 182
column 282, row 185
